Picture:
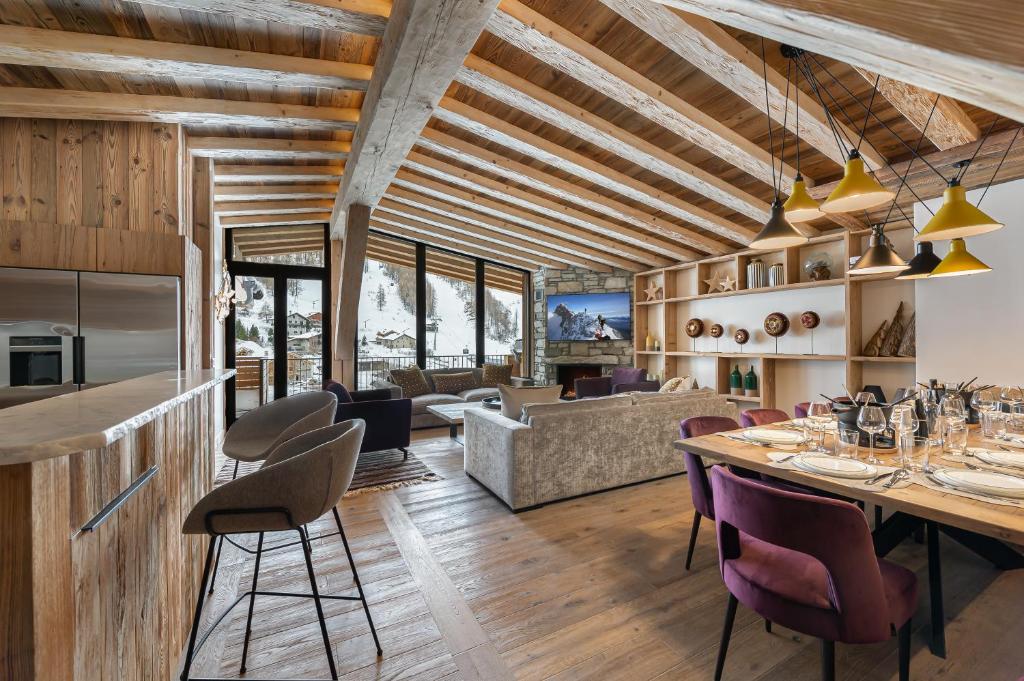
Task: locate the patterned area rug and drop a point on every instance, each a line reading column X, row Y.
column 375, row 471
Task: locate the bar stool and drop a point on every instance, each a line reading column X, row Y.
column 257, row 432
column 300, row 481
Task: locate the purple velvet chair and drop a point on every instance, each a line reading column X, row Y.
column 700, row 487
column 800, row 410
column 627, row 375
column 388, row 421
column 639, row 386
column 594, row 386
column 762, row 417
column 809, row 564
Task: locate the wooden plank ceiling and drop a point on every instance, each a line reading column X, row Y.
column 595, row 133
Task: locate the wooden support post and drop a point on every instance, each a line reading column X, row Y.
column 202, row 236
column 350, row 279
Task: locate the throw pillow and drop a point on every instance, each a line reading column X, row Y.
column 670, row 385
column 495, row 375
column 411, row 380
column 688, row 383
column 453, row 384
column 340, row 391
column 513, row 399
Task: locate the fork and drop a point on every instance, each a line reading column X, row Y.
column 897, row 475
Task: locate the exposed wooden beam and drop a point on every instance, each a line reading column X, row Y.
column 275, row 192
column 959, row 49
column 522, row 94
column 270, row 207
column 248, row 235
column 714, row 51
column 92, row 52
column 367, row 17
column 507, row 193
column 949, row 126
column 563, row 50
column 382, row 249
column 423, row 46
column 249, row 147
column 434, row 211
column 275, row 249
column 392, row 210
column 268, row 220
column 242, row 174
column 468, row 250
column 526, row 143
column 350, row 278
column 113, row 106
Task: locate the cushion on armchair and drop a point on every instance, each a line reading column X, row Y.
column 513, row 399
column 340, row 391
column 495, row 375
column 411, row 380
column 453, row 384
column 628, row 375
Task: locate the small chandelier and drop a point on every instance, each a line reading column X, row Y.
column 225, row 297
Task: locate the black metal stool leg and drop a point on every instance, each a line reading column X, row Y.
column 319, row 607
column 355, row 577
column 199, row 611
column 252, row 602
column 220, row 541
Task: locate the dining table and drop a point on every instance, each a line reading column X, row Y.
column 991, row 527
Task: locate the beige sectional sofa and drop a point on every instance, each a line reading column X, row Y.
column 562, row 450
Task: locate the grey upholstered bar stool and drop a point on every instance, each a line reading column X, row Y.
column 300, row 481
column 257, row 432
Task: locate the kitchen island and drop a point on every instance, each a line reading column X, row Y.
column 96, row 579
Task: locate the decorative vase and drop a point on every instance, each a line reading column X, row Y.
column 818, row 267
column 736, row 381
column 776, row 275
column 755, row 274
column 657, row 345
column 750, row 383
column 649, row 342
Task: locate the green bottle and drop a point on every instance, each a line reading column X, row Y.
column 736, row 381
column 750, row 383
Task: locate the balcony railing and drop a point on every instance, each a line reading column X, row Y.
column 375, row 368
column 254, row 381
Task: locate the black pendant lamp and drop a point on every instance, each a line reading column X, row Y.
column 880, row 257
column 923, row 262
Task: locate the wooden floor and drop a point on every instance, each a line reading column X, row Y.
column 593, row 588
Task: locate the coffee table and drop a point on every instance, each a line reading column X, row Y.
column 453, row 414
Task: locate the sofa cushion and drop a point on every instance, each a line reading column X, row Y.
column 673, row 383
column 421, row 402
column 513, row 399
column 340, row 391
column 574, row 406
column 411, row 381
column 453, row 384
column 477, row 394
column 430, row 373
column 672, row 396
column 495, row 375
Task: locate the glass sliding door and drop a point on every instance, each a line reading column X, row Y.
column 505, row 317
column 450, row 310
column 387, row 310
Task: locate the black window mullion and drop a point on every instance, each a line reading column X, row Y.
column 280, row 335
column 480, row 311
column 421, row 305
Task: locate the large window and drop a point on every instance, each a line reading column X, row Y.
column 437, row 309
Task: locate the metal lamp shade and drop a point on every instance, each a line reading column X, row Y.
column 879, row 258
column 777, row 232
column 857, row 190
column 923, row 262
column 957, row 218
column 801, row 206
column 958, row 262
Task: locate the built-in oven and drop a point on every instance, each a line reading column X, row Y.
column 36, row 360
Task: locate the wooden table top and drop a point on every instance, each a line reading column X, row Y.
column 994, row 520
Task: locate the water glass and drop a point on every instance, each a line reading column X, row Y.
column 956, row 436
column 819, row 415
column 1016, row 419
column 918, row 456
column 847, row 442
column 993, row 424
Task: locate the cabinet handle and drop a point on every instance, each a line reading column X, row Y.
column 119, row 500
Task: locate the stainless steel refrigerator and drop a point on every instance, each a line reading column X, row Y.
column 62, row 330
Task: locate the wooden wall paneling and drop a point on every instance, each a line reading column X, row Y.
column 92, row 175
column 119, row 250
column 115, row 175
column 140, row 176
column 44, row 171
column 69, row 172
column 33, row 244
column 193, row 328
column 166, row 145
column 16, row 140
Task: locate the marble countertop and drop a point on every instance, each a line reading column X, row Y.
column 95, row 418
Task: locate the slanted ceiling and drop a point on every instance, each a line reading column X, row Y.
column 595, row 133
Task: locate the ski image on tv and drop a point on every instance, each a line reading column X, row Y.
column 589, row 316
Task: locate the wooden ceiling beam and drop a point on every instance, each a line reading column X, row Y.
column 116, row 106
column 423, row 46
column 274, row 192
column 714, row 51
column 244, row 234
column 507, row 193
column 281, row 249
column 409, row 204
column 152, row 58
column 243, row 174
column 496, row 130
column 561, row 49
column 265, row 220
column 469, row 250
column 366, row 17
column 382, row 252
column 955, row 48
column 524, row 95
column 392, row 210
column 256, row 148
column 948, row 127
column 270, row 207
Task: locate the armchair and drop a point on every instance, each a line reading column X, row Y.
column 388, row 420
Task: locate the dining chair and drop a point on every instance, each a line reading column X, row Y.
column 697, row 474
column 808, row 563
column 762, row 417
column 800, row 410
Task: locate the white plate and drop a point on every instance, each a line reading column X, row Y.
column 1014, row 459
column 806, row 423
column 983, row 482
column 773, row 436
column 834, row 466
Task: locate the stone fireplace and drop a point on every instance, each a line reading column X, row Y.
column 549, row 356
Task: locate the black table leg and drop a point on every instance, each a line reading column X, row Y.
column 894, row 530
column 938, row 638
column 992, row 550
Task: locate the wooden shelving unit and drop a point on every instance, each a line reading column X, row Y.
column 683, row 286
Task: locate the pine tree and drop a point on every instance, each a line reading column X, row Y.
column 240, row 332
column 381, row 298
column 254, row 333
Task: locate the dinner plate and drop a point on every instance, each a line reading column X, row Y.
column 1014, row 459
column 834, row 466
column 773, row 436
column 983, row 482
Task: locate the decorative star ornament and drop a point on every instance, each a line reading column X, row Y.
column 713, row 283
column 652, row 291
column 728, row 283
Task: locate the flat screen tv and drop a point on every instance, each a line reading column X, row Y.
column 589, row 317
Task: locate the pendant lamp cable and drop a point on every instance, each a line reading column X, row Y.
column 963, row 169
column 906, row 173
column 767, row 110
column 1000, row 165
column 797, row 88
column 867, row 116
column 785, row 121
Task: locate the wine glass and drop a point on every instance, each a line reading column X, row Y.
column 983, row 401
column 819, row 414
column 1011, row 396
column 904, row 422
column 871, row 420
column 953, row 414
column 864, row 397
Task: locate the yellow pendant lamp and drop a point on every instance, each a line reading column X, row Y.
column 857, row 190
column 957, row 218
column 959, row 262
column 801, row 206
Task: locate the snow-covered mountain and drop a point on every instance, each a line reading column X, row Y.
column 564, row 324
